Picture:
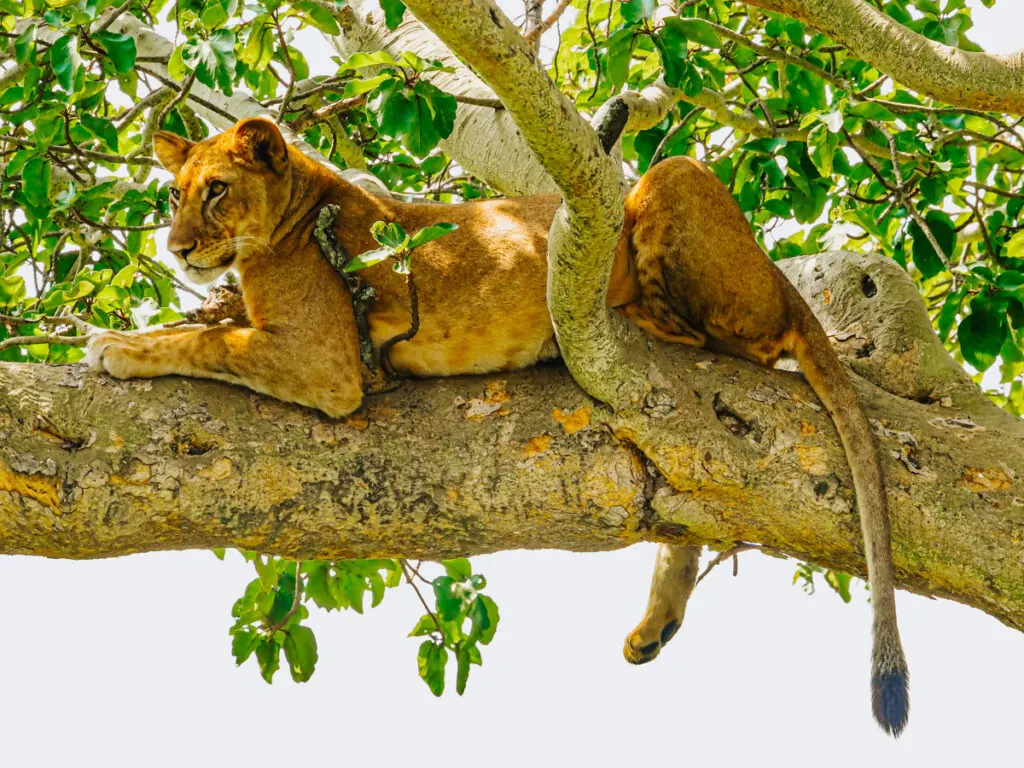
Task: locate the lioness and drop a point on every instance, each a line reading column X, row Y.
column 687, row 269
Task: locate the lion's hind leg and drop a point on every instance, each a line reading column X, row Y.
column 675, row 574
column 678, row 332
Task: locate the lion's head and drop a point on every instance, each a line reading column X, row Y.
column 229, row 194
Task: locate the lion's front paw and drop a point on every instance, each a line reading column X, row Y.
column 112, row 352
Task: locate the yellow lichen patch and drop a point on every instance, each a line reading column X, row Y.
column 827, row 296
column 269, row 483
column 453, row 494
column 572, row 422
column 812, row 459
column 140, row 474
column 218, row 470
column 116, row 441
column 983, row 479
column 537, row 445
column 39, row 488
column 806, row 428
column 495, row 392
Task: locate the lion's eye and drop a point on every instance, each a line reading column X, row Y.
column 175, row 195
column 216, row 189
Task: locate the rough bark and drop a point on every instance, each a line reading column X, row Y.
column 719, row 451
column 960, row 78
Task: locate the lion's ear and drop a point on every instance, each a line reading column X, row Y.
column 171, row 150
column 258, row 140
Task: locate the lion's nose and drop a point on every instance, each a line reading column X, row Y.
column 181, row 250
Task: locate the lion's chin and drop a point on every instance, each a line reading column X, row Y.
column 205, row 275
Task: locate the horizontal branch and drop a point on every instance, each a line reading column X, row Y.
column 721, row 451
column 961, row 78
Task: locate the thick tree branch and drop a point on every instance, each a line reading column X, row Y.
column 719, row 452
column 583, row 236
column 961, row 78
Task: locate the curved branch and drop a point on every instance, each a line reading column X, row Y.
column 961, row 78
column 93, row 467
column 586, row 229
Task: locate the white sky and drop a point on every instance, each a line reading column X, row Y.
column 127, row 662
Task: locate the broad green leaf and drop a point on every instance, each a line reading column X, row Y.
column 243, row 643
column 102, row 129
column 301, row 653
column 268, row 656
column 484, row 615
column 459, row 569
column 394, row 10
column 982, row 332
column 431, row 661
column 65, row 61
column 36, row 179
column 120, row 49
column 422, row 237
column 925, row 257
column 638, row 10
column 698, row 30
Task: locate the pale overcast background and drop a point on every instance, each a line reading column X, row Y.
column 127, row 663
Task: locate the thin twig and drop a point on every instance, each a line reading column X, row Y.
column 534, row 35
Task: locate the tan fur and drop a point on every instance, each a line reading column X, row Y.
column 687, row 269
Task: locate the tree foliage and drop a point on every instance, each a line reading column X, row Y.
column 821, row 150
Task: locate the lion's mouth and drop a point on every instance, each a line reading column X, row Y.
column 224, row 261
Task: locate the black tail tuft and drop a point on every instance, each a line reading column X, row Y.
column 890, row 700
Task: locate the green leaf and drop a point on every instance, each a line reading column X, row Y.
column 698, row 30
column 426, row 235
column 671, row 44
column 425, row 626
column 243, row 643
column 259, row 44
column 390, row 234
column 36, row 179
column 12, row 289
column 1015, row 245
column 102, row 129
column 394, row 10
column 449, row 598
column 459, row 569
column 982, row 332
column 431, row 661
column 268, row 656
column 376, row 59
column 65, row 61
column 120, row 49
column 638, row 10
column 300, row 652
column 484, row 615
column 25, row 44
column 462, row 674
column 840, row 582
column 368, row 259
column 821, row 148
column 925, row 257
column 619, row 52
column 213, row 60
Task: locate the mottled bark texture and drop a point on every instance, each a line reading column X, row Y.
column 719, row 451
column 961, row 78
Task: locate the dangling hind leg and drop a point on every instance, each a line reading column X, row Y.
column 675, row 574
